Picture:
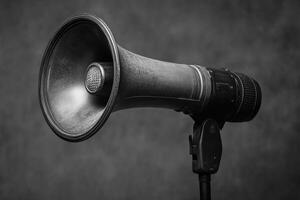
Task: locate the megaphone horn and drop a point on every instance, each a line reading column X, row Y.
column 85, row 75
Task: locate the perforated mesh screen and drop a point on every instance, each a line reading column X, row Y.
column 93, row 79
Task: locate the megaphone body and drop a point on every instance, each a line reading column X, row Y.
column 85, row 76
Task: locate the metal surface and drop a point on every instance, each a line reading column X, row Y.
column 76, row 101
column 72, row 112
column 147, row 82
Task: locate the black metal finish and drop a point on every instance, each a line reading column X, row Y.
column 76, row 102
column 204, row 186
column 70, row 110
column 206, row 151
column 235, row 97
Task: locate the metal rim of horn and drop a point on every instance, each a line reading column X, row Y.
column 45, row 91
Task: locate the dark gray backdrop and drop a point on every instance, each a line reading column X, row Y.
column 143, row 153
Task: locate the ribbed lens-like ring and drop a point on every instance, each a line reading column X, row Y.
column 249, row 98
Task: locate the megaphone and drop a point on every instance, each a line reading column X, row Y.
column 85, row 75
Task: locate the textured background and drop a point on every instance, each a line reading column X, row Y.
column 143, row 153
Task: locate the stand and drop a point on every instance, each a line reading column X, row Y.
column 206, row 151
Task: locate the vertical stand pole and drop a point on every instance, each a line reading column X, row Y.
column 206, row 151
column 204, row 186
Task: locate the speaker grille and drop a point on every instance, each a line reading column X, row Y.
column 94, row 79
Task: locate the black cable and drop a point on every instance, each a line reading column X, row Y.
column 204, row 185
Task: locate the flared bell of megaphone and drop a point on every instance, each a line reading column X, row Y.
column 85, row 75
